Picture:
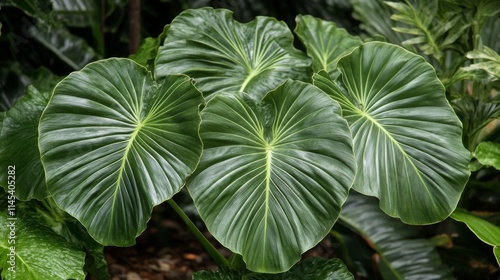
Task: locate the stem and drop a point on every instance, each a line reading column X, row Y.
column 134, row 25
column 219, row 259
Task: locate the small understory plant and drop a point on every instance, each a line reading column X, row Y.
column 274, row 146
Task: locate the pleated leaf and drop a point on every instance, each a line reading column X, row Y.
column 399, row 255
column 325, row 42
column 406, row 137
column 19, row 145
column 225, row 55
column 114, row 143
column 273, row 174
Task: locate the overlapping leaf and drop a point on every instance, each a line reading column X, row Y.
column 225, row 55
column 273, row 174
column 19, row 145
column 325, row 42
column 114, row 143
column 407, row 138
column 38, row 252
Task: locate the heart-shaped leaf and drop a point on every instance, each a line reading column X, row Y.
column 114, row 143
column 273, row 174
column 225, row 55
column 325, row 42
column 406, row 137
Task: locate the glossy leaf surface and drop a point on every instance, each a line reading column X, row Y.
column 222, row 54
column 39, row 252
column 325, row 42
column 273, row 173
column 399, row 255
column 19, row 146
column 407, row 139
column 114, row 143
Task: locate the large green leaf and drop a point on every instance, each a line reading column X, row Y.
column 225, row 55
column 325, row 42
column 310, row 268
column 407, row 138
column 114, row 143
column 273, row 174
column 36, row 251
column 399, row 255
column 19, row 145
column 484, row 230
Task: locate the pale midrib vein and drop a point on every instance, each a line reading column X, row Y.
column 126, row 153
column 408, row 159
column 122, row 168
column 269, row 155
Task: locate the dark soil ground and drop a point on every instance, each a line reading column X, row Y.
column 168, row 250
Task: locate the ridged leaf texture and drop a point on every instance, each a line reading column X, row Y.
column 274, row 173
column 115, row 143
column 222, row 54
column 406, row 137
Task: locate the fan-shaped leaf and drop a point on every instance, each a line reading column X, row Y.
column 407, row 138
column 225, row 55
column 114, row 143
column 325, row 42
column 273, row 174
